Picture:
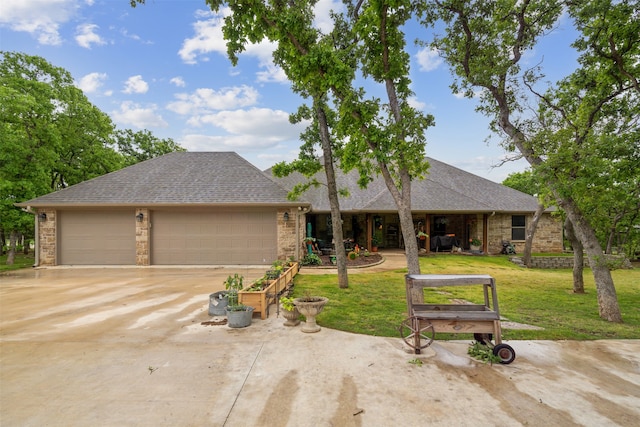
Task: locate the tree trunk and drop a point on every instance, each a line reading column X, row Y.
column 11, row 255
column 403, row 202
column 336, row 219
column 607, row 297
column 531, row 231
column 578, row 258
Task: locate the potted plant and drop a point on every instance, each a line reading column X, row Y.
column 289, row 311
column 422, row 235
column 310, row 307
column 475, row 244
column 376, row 240
column 238, row 315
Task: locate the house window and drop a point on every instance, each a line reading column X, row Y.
column 518, row 227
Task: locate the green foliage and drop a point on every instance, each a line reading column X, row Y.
column 233, row 284
column 287, row 303
column 475, row 241
column 311, row 259
column 352, row 255
column 483, row 353
column 142, row 145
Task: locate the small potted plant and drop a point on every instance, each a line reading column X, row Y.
column 376, row 240
column 475, row 244
column 422, row 235
column 289, row 311
column 238, row 315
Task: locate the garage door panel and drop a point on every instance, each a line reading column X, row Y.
column 96, row 238
column 210, row 237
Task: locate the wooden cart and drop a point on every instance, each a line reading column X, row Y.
column 483, row 320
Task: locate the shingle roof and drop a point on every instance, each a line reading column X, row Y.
column 175, row 178
column 225, row 178
column 445, row 189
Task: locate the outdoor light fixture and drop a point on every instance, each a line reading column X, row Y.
column 139, row 217
column 286, row 216
column 42, row 216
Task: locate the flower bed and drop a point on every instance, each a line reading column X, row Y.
column 260, row 297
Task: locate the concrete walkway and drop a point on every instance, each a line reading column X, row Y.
column 126, row 347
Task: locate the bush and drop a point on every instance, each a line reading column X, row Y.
column 311, row 259
column 352, row 255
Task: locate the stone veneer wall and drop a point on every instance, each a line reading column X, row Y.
column 47, row 238
column 142, row 238
column 290, row 241
column 550, row 262
column 548, row 237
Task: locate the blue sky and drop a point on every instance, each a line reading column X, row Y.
column 163, row 67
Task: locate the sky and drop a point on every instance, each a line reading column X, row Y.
column 163, row 67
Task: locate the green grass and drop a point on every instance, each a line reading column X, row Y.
column 375, row 304
column 20, row 261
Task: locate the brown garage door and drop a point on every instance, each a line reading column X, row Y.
column 213, row 236
column 96, row 238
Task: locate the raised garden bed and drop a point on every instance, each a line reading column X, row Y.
column 261, row 297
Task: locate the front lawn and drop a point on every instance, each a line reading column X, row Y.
column 375, row 304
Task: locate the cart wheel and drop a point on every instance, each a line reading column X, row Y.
column 415, row 335
column 505, row 352
column 484, row 339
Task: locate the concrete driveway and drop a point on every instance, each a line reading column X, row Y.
column 126, row 347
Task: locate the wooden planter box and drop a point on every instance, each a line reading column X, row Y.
column 261, row 300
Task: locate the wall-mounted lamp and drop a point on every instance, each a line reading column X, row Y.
column 139, row 217
column 42, row 216
column 286, row 216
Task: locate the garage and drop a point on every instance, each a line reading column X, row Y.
column 105, row 237
column 213, row 236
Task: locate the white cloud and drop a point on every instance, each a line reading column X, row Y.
column 91, row 82
column 271, row 73
column 205, row 100
column 135, row 115
column 86, row 35
column 416, row 103
column 40, row 18
column 199, row 142
column 253, row 129
column 135, row 84
column 269, row 125
column 208, row 38
column 178, row 81
column 322, row 19
column 428, row 59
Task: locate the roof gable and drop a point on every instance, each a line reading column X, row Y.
column 175, row 178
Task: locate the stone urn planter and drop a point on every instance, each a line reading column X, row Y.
column 289, row 311
column 310, row 307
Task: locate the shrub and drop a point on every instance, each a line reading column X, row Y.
column 311, row 259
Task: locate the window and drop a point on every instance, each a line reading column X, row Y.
column 518, row 227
